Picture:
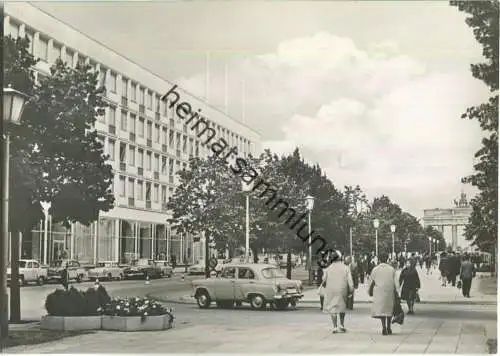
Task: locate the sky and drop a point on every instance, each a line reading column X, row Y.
column 372, row 91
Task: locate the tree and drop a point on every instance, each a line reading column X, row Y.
column 57, row 156
column 483, row 223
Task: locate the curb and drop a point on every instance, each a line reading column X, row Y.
column 315, row 304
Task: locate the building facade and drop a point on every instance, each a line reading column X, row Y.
column 146, row 142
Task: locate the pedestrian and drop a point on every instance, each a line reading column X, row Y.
column 361, row 271
column 453, row 268
column 467, row 272
column 350, row 262
column 321, row 289
column 338, row 284
column 383, row 290
column 443, row 268
column 428, row 262
column 65, row 276
column 410, row 284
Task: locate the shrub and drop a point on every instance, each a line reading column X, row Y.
column 135, row 306
column 76, row 303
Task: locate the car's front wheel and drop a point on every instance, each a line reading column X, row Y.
column 257, row 302
column 203, row 299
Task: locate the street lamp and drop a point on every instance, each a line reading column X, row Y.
column 309, row 207
column 46, row 207
column 393, row 230
column 376, row 224
column 430, row 245
column 13, row 105
column 247, row 189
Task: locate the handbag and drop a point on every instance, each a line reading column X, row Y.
column 350, row 302
column 459, row 284
column 417, row 297
column 370, row 290
column 398, row 315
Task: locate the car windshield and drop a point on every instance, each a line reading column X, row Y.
column 22, row 264
column 56, row 263
column 272, row 273
column 104, row 264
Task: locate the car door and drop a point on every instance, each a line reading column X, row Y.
column 224, row 285
column 27, row 271
column 244, row 284
column 73, row 269
column 36, row 270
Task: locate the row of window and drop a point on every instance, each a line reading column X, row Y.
column 143, row 190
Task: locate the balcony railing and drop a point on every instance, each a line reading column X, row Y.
column 124, row 101
column 123, row 166
column 140, row 171
column 131, row 201
column 148, row 204
column 131, row 137
column 112, row 129
column 141, row 109
column 156, row 175
column 164, row 148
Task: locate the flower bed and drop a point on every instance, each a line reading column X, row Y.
column 136, row 314
column 74, row 310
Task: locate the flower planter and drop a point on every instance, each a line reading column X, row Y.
column 67, row 323
column 134, row 323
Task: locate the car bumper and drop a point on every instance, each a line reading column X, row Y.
column 288, row 296
column 93, row 275
column 131, row 274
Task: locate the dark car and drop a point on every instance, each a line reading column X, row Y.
column 143, row 268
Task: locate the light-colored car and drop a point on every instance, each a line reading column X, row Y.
column 75, row 271
column 29, row 271
column 166, row 269
column 143, row 268
column 108, row 270
column 258, row 284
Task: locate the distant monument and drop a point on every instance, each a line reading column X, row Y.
column 454, row 217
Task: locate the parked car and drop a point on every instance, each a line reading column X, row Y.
column 257, row 284
column 75, row 271
column 29, row 271
column 166, row 269
column 283, row 258
column 142, row 268
column 108, row 270
column 199, row 268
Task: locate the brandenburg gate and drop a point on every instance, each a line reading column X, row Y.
column 454, row 217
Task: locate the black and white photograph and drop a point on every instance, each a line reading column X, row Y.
column 249, row 177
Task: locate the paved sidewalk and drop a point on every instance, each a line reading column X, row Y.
column 417, row 335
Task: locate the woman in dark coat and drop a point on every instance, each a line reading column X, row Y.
column 409, row 283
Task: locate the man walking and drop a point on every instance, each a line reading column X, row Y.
column 454, row 268
column 443, row 268
column 467, row 272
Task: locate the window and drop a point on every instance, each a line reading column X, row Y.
column 177, row 166
column 229, row 272
column 141, row 96
column 163, row 165
column 157, row 163
column 69, row 57
column 141, row 127
column 123, row 148
column 132, row 122
column 14, row 30
column 156, row 193
column 112, row 116
column 140, row 190
column 178, row 141
column 148, row 191
column 170, row 192
column 112, row 82
column 124, row 121
column 133, row 92
column 131, row 186
column 111, row 150
column 165, row 108
column 150, row 100
column 149, row 130
column 157, row 133
column 165, row 136
column 171, row 139
column 125, row 87
column 56, row 51
column 163, row 194
column 43, row 49
column 157, row 102
column 102, row 76
column 30, row 37
column 140, row 163
column 170, row 167
column 184, row 144
column 122, row 186
column 245, row 273
column 148, row 161
column 131, row 155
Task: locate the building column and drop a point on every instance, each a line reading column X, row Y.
column 454, row 236
column 168, row 234
column 153, row 241
column 136, row 240
column 117, row 235
column 72, row 243
column 96, row 237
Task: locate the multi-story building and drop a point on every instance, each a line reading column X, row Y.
column 146, row 142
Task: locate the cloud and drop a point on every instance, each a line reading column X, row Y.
column 373, row 117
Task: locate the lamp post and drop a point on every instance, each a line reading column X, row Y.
column 13, row 105
column 46, row 207
column 376, row 224
column 430, row 245
column 393, row 230
column 309, row 207
column 246, row 189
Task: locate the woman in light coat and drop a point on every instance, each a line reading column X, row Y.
column 338, row 285
column 383, row 287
